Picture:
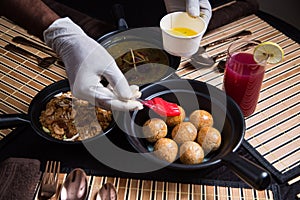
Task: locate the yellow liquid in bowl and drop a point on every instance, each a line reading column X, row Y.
column 180, row 31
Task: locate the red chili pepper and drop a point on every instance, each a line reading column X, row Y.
column 162, row 107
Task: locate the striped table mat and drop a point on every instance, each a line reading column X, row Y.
column 20, row 77
column 272, row 131
column 148, row 189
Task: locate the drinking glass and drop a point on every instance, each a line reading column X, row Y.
column 243, row 75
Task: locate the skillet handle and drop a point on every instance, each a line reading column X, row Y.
column 119, row 14
column 254, row 175
column 13, row 120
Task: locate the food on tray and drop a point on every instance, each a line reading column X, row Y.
column 185, row 131
column 209, row 138
column 154, row 129
column 174, row 120
column 191, row 153
column 166, row 149
column 68, row 118
column 201, row 118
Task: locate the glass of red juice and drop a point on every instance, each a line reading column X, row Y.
column 243, row 75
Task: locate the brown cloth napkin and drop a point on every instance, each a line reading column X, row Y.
column 19, row 178
column 232, row 12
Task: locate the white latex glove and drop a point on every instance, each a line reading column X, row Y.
column 194, row 8
column 86, row 61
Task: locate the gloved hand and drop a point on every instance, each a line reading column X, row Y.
column 194, row 8
column 86, row 63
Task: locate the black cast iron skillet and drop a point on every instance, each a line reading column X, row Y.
column 146, row 36
column 36, row 106
column 228, row 119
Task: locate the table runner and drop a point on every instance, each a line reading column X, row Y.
column 148, row 189
column 271, row 133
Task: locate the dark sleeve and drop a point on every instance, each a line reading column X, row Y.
column 32, row 15
column 92, row 27
column 232, row 12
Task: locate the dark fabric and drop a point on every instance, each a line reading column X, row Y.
column 216, row 3
column 96, row 18
column 92, row 26
column 232, row 12
column 137, row 13
column 19, row 178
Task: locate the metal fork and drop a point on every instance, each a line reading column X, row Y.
column 49, row 180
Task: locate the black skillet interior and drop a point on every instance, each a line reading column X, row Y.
column 38, row 104
column 191, row 95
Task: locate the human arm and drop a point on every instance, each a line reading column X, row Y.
column 32, row 15
column 86, row 61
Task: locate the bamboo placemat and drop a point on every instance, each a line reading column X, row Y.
column 272, row 131
column 128, row 189
column 20, row 77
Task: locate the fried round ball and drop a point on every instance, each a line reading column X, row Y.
column 174, row 120
column 185, row 131
column 166, row 149
column 191, row 153
column 209, row 138
column 155, row 129
column 201, row 118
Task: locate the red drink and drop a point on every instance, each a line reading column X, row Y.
column 242, row 80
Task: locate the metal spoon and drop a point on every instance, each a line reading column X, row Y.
column 107, row 192
column 203, row 59
column 26, row 42
column 211, row 61
column 75, row 186
column 42, row 62
column 220, row 65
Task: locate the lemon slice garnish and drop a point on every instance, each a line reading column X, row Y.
column 270, row 52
